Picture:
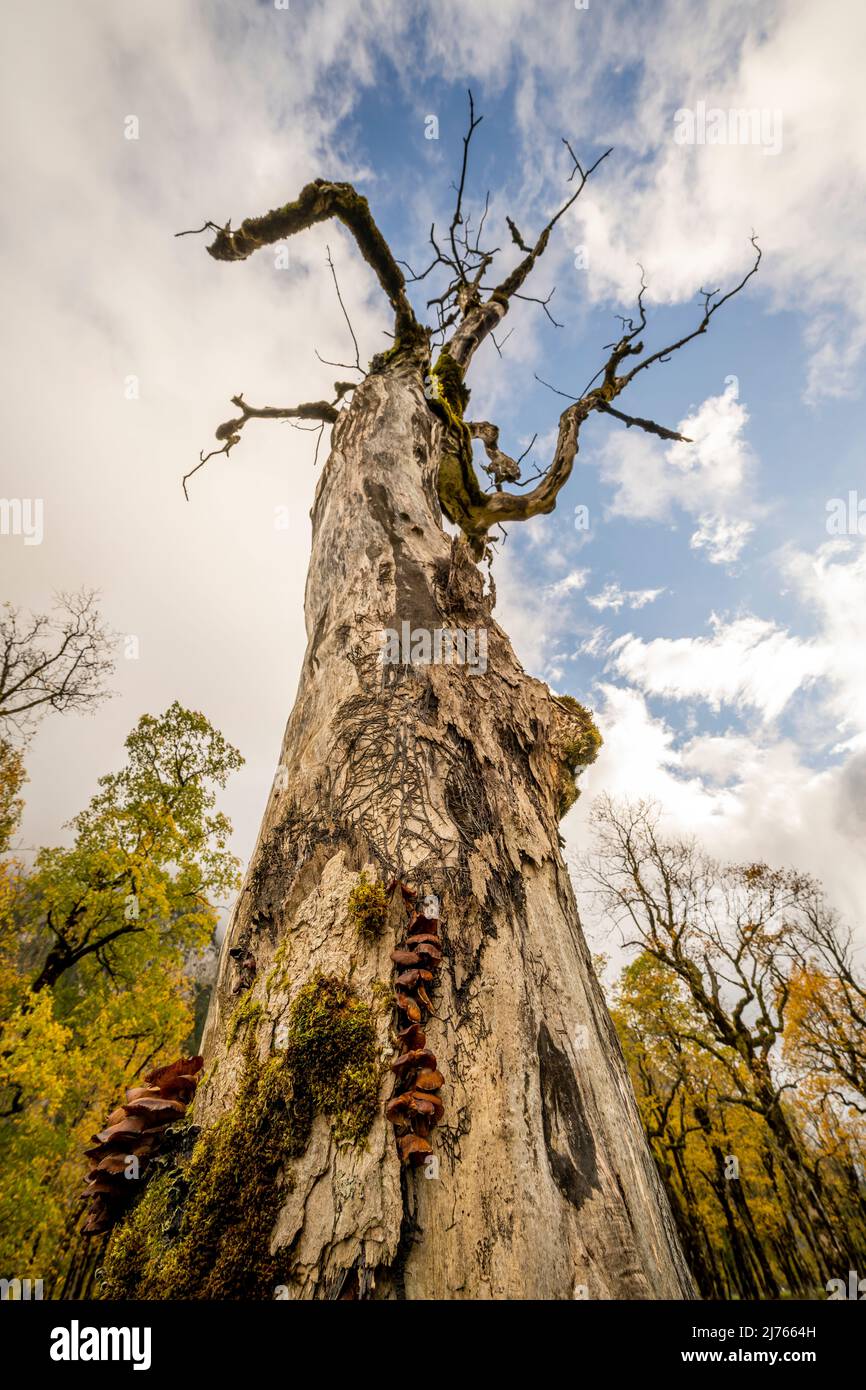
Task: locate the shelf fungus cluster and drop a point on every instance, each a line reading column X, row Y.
column 416, row 1105
column 132, row 1136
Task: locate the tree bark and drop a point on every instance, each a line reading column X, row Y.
column 450, row 781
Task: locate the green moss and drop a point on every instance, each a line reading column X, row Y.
column 333, row 1054
column 452, row 393
column 381, row 360
column 368, row 906
column 248, row 1011
column 460, row 494
column 137, row 1243
column 383, row 994
column 203, row 1228
column 577, row 751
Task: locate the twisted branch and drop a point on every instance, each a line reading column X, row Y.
column 318, row 202
column 477, row 512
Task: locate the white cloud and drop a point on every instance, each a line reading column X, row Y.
column 705, row 478
column 615, row 597
column 696, row 205
column 749, row 662
column 753, row 794
column 595, row 644
column 571, row 582
column 744, row 798
column 691, row 208
column 832, row 581
column 723, row 540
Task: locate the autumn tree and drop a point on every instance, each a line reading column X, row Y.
column 712, row 1151
column 449, row 780
column 95, row 947
column 733, row 939
column 826, row 1033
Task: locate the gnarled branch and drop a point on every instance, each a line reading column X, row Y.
column 502, row 468
column 318, row 202
column 477, row 513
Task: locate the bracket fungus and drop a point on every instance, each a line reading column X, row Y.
column 416, row 1106
column 133, row 1134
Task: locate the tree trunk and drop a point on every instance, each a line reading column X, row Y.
column 450, row 780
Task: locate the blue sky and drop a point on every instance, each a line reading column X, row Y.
column 707, row 615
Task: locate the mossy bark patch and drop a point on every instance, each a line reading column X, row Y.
column 334, row 1057
column 368, row 906
column 203, row 1228
column 578, row 749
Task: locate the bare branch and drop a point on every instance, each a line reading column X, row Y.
column 197, row 231
column 230, row 430
column 517, row 238
column 357, row 363
column 532, row 299
column 711, row 306
column 484, row 317
column 318, row 202
column 457, row 219
column 477, row 513
column 649, row 425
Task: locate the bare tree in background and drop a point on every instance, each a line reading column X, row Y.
column 451, row 781
column 56, row 661
column 739, row 938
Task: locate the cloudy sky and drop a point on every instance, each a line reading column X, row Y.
column 707, row 614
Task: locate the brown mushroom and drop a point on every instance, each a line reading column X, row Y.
column 414, row 1149
column 155, row 1108
column 412, row 1037
column 405, row 958
column 425, row 1103
column 418, row 1057
column 179, row 1088
column 119, row 1133
column 185, row 1066
column 136, row 1092
column 112, row 1163
column 409, row 1007
column 135, row 1129
column 408, row 979
column 397, row 1108
column 429, row 1079
column 418, row 922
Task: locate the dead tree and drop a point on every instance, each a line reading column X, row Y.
column 449, row 780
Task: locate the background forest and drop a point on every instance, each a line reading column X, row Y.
column 740, row 1009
